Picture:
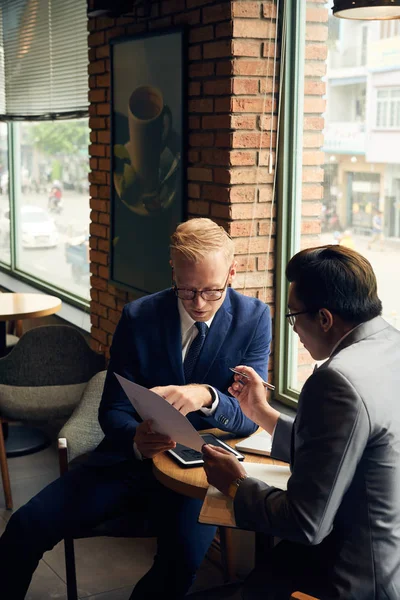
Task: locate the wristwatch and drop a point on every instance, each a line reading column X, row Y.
column 234, row 486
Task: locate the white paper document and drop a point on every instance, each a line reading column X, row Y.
column 166, row 419
column 258, row 443
column 218, row 509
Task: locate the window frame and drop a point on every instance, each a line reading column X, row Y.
column 389, row 103
column 288, row 189
column 12, row 269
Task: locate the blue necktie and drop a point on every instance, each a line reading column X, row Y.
column 194, row 350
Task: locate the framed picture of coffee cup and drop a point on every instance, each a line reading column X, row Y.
column 148, row 99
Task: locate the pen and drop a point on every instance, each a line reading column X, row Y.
column 265, row 383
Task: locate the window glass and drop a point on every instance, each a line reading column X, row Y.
column 351, row 174
column 52, row 203
column 5, row 256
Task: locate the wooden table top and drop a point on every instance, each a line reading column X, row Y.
column 26, row 306
column 192, row 481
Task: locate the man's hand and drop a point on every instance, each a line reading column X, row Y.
column 149, row 443
column 185, row 398
column 221, row 467
column 250, row 393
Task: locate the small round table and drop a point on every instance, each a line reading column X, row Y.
column 20, row 440
column 192, row 482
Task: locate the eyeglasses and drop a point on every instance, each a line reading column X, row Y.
column 291, row 316
column 208, row 295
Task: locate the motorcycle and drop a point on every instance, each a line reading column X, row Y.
column 55, row 203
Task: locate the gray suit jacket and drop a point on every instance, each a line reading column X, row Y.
column 344, row 450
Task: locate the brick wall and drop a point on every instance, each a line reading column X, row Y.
column 232, row 120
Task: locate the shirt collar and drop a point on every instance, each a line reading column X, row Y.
column 186, row 320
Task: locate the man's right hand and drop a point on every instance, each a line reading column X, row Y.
column 149, row 443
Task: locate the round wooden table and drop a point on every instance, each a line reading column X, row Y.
column 192, row 481
column 15, row 306
column 20, row 439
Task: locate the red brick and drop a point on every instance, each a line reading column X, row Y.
column 99, row 177
column 216, row 192
column 216, row 122
column 104, row 109
column 94, row 68
column 103, row 137
column 314, row 105
column 96, row 39
column 314, row 69
column 114, row 33
column 313, row 123
column 221, row 175
column 313, row 175
column 245, row 86
column 98, row 257
column 223, row 140
column 313, row 158
column 242, row 158
column 223, row 211
column 264, row 158
column 224, row 30
column 104, row 164
column 172, row 6
column 268, row 123
column 252, row 105
column 104, row 219
column 270, row 50
column 201, row 139
column 245, row 263
column 99, row 205
column 201, row 69
column 253, row 67
column 317, row 15
column 99, row 335
column 194, row 3
column 246, row 48
column 316, row 33
column 224, row 68
column 97, row 150
column 312, row 192
column 193, row 156
column 267, row 84
column 244, row 193
column 313, row 140
column 199, row 207
column 201, row 105
column 97, row 123
column 312, row 227
column 194, row 122
column 250, row 10
column 193, row 190
column 265, row 194
column 99, row 283
column 316, row 52
column 249, row 28
column 103, row 51
column 217, row 49
column 97, row 96
column 199, row 174
column 266, row 228
column 215, row 157
column 104, row 246
column 314, row 88
column 222, row 105
column 219, row 12
column 239, row 175
column 160, row 23
column 269, row 10
column 194, row 88
column 311, row 209
column 243, row 121
column 195, row 52
column 99, row 231
column 217, row 87
column 201, row 34
column 103, row 80
column 241, row 229
column 93, row 163
column 191, row 18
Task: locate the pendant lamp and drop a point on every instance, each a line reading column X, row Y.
column 372, row 10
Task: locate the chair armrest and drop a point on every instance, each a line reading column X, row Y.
column 63, row 455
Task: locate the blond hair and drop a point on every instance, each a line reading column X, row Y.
column 197, row 238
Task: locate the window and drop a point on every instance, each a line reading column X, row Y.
column 388, row 108
column 341, row 183
column 44, row 139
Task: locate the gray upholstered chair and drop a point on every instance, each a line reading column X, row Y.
column 79, row 436
column 42, row 379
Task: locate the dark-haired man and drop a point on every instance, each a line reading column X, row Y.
column 339, row 520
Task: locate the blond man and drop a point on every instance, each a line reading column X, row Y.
column 180, row 342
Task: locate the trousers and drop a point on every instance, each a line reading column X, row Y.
column 90, row 495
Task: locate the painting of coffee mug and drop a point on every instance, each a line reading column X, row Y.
column 147, row 173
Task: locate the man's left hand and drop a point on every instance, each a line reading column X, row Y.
column 221, row 467
column 185, row 398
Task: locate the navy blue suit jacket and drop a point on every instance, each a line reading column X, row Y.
column 147, row 349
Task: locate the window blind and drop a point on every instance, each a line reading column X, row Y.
column 43, row 59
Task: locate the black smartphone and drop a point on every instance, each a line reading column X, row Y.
column 187, row 457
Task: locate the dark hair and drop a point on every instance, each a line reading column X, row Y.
column 337, row 278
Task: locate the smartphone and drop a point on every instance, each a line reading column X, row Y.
column 187, row 457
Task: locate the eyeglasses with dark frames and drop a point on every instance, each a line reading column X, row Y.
column 291, row 316
column 208, row 295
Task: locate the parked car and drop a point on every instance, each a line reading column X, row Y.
column 77, row 255
column 38, row 229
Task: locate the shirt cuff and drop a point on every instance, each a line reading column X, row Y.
column 137, row 453
column 209, row 411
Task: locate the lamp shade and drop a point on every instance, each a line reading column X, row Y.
column 372, row 10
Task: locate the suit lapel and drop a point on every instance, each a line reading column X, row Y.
column 214, row 340
column 173, row 339
column 361, row 332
